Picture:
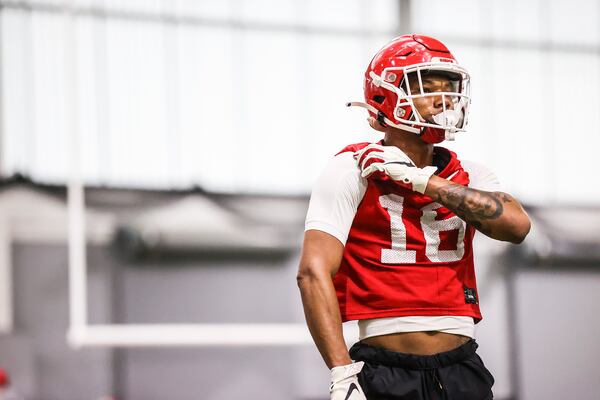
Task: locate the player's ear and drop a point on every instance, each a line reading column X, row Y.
column 375, row 124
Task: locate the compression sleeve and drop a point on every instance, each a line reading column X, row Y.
column 335, row 197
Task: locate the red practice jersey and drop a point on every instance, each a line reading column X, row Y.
column 407, row 255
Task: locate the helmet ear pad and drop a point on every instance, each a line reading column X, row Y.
column 380, row 98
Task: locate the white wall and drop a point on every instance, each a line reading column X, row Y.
column 249, row 95
column 213, row 99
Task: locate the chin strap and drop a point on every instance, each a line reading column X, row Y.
column 385, row 119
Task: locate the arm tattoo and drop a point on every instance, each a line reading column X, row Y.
column 473, row 206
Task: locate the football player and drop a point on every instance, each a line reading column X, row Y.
column 389, row 234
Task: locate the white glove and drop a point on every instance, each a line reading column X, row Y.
column 393, row 162
column 344, row 382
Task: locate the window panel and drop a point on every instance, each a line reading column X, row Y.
column 448, row 18
column 92, row 151
column 334, row 13
column 17, row 114
column 573, row 160
column 137, row 88
column 47, row 160
column 204, row 8
column 45, row 2
column 280, row 12
column 520, row 122
column 207, row 114
column 382, row 14
column 516, row 20
column 270, row 110
column 574, row 21
column 148, row 6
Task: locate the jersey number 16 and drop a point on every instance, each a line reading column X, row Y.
column 431, row 228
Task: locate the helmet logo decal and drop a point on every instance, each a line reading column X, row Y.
column 391, row 77
column 443, row 59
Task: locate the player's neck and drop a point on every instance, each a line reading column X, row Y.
column 420, row 153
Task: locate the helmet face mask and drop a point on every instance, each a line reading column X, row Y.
column 455, row 97
column 397, row 82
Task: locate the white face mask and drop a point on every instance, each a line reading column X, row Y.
column 451, row 120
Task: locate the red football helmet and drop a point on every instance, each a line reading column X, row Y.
column 398, row 67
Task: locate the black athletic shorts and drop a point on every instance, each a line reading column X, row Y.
column 457, row 374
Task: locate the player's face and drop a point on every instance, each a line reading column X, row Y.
column 429, row 106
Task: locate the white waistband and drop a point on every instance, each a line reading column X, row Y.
column 384, row 326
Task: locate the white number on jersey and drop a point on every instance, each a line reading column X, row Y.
column 398, row 254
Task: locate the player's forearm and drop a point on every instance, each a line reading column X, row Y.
column 322, row 314
column 496, row 214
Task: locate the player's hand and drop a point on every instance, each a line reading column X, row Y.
column 394, row 163
column 344, row 382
